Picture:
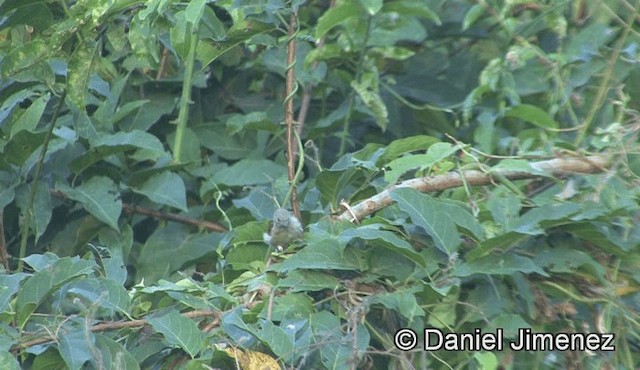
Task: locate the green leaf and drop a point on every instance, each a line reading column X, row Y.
column 367, row 89
column 276, row 338
column 337, row 15
column 24, row 56
column 404, row 302
column 518, row 165
column 372, row 6
column 324, row 254
column 8, row 361
column 338, row 350
column 113, row 355
column 473, row 14
column 386, row 239
column 424, row 212
column 104, row 293
column 172, row 246
column 118, row 245
column 506, row 264
column 76, row 345
column 411, row 8
column 181, row 34
column 166, row 188
column 42, row 283
column 99, row 196
column 435, row 154
column 249, row 172
column 180, row 331
column 405, row 145
column 486, row 360
column 50, row 359
column 500, row 242
column 194, row 11
column 209, row 50
column 22, row 146
column 31, row 117
column 586, row 44
column 441, row 315
column 79, row 73
column 9, row 285
column 42, row 209
column 107, row 145
column 532, row 222
column 309, row 280
column 36, row 15
column 505, row 209
column 532, row 114
column 292, row 306
column 566, row 260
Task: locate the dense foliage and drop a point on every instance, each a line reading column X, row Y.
column 144, row 153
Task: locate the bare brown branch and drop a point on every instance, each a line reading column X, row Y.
column 553, row 167
column 292, row 144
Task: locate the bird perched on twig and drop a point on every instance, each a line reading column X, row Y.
column 286, row 229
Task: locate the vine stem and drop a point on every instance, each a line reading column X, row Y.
column 604, row 85
column 290, row 90
column 185, row 99
column 34, row 183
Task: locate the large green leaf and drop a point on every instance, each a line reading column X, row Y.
column 386, row 239
column 80, row 70
column 36, row 288
column 166, row 188
column 499, row 265
column 436, row 153
column 172, row 246
column 106, row 145
column 308, row 280
column 249, row 172
column 76, row 345
column 532, row 114
column 209, row 50
column 179, row 331
column 437, row 218
column 327, row 254
column 9, row 285
column 31, row 117
column 99, row 196
column 102, row 292
column 113, row 354
column 405, row 145
column 337, row 15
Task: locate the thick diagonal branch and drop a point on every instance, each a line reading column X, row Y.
column 553, row 167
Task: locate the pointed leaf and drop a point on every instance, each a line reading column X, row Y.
column 99, row 196
column 430, row 214
column 166, row 188
column 180, row 331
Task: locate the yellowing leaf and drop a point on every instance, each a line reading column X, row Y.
column 251, row 360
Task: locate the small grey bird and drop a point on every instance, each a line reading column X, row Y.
column 286, row 228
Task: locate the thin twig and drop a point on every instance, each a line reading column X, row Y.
column 118, row 325
column 133, row 209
